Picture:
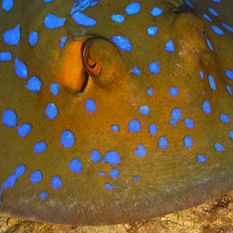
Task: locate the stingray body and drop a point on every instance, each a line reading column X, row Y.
column 114, row 111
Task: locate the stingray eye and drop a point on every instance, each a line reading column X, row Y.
column 93, row 67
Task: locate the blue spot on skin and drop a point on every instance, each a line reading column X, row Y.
column 12, row 36
column 47, row 1
column 95, row 156
column 10, row 182
column 62, row 42
column 19, row 171
column 188, row 142
column 144, row 110
column 153, row 129
column 213, row 11
column 52, row 21
column 24, row 129
column 206, row 107
column 109, row 186
column 115, row 128
column 175, row 115
column 231, row 134
column 118, row 18
column 112, row 158
column 81, row 5
column 75, row 166
column 169, row 47
column 225, row 118
column 201, row 74
column 207, row 17
column 150, row 91
column 136, row 178
column 136, row 71
column 219, row 147
column 67, row 139
column 33, row 38
column 43, row 195
column 5, row 56
column 56, row 182
column 101, row 174
column 114, row 173
column 173, row 91
column 140, row 151
column 54, row 88
column 188, row 3
column 122, row 42
column 163, row 142
column 152, row 30
column 211, row 82
column 217, row 30
column 39, row 147
column 154, row 67
column 133, row 8
column 188, row 123
column 229, row 89
column 134, row 126
column 20, row 69
column 201, row 158
column 34, row 84
column 90, row 105
column 156, row 11
column 209, row 44
column 9, row 118
column 7, row 5
column 36, row 177
column 83, row 20
column 217, row 1
column 229, row 74
column 228, row 27
column 51, row 111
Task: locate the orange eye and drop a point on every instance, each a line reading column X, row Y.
column 93, row 67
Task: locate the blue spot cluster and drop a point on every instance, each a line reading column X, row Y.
column 5, row 56
column 9, row 118
column 83, row 20
column 109, row 186
column 150, row 91
column 62, row 42
column 189, row 3
column 163, row 142
column 67, row 139
column 118, row 18
column 122, row 42
column 12, row 36
column 34, row 84
column 229, row 74
column 136, row 178
column 213, row 11
column 206, row 108
column 156, row 11
column 140, row 151
column 188, row 142
column 209, row 44
column 175, row 115
column 144, row 110
column 52, row 21
column 154, row 67
column 228, row 88
column 54, row 88
column 153, row 129
column 211, row 82
column 114, row 173
column 56, row 182
column 43, row 195
column 217, row 30
column 51, row 111
column 219, row 147
column 152, row 30
column 134, row 126
column 36, row 177
column 39, row 147
column 75, row 165
column 112, row 158
column 136, row 71
column 20, row 69
column 90, row 105
column 95, row 156
column 201, row 158
column 33, row 38
column 188, row 123
column 225, row 118
column 115, row 128
column 24, row 129
column 169, row 47
column 173, row 91
column 11, row 180
column 133, row 8
column 7, row 5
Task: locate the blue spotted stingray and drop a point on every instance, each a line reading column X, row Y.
column 114, row 111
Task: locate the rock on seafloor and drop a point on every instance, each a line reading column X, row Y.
column 214, row 217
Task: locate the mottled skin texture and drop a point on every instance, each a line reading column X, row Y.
column 170, row 179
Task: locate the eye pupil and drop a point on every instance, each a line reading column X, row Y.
column 92, row 66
